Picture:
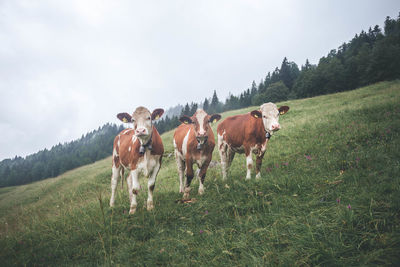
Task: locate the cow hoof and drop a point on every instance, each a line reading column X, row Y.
column 132, row 211
column 111, row 204
column 247, row 178
column 201, row 191
column 150, row 205
column 258, row 176
column 186, row 194
column 180, row 190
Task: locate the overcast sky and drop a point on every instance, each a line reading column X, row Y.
column 68, row 67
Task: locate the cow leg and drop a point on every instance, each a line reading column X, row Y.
column 249, row 164
column 259, row 159
column 134, row 187
column 122, row 172
column 181, row 171
column 202, row 176
column 189, row 177
column 230, row 155
column 151, row 184
column 129, row 183
column 223, row 155
column 114, row 182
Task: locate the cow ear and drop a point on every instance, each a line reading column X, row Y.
column 185, row 119
column 214, row 118
column 283, row 109
column 124, row 117
column 256, row 114
column 157, row 113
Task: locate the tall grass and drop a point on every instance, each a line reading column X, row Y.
column 329, row 195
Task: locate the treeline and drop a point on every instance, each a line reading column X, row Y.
column 60, row 158
column 369, row 57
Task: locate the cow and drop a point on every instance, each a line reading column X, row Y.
column 194, row 143
column 137, row 150
column 248, row 133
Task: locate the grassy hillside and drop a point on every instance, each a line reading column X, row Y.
column 329, row 195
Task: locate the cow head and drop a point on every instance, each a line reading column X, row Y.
column 142, row 121
column 269, row 113
column 201, row 121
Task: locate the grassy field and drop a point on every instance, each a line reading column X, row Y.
column 329, row 195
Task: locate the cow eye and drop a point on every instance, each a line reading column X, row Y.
column 148, row 118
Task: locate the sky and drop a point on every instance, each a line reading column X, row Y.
column 68, row 67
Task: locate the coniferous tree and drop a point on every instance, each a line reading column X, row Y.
column 215, row 104
column 206, row 105
column 267, row 80
column 186, row 110
column 306, row 66
column 275, row 77
column 193, row 108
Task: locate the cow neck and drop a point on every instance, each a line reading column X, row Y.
column 148, row 145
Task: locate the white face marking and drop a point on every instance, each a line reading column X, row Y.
column 270, row 115
column 184, row 144
column 129, row 149
column 142, row 124
column 200, row 116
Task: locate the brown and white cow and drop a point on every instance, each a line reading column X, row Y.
column 194, row 143
column 248, row 133
column 139, row 149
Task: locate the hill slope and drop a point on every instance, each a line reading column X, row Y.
column 329, row 194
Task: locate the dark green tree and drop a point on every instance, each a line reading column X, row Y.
column 215, row 104
column 193, row 108
column 206, row 105
column 186, row 110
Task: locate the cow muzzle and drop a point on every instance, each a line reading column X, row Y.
column 201, row 140
column 275, row 127
column 141, row 132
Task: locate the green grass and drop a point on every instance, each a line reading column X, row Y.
column 333, row 151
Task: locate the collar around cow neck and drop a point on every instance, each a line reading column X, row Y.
column 268, row 135
column 148, row 145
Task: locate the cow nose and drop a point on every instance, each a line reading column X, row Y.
column 140, row 131
column 275, row 126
